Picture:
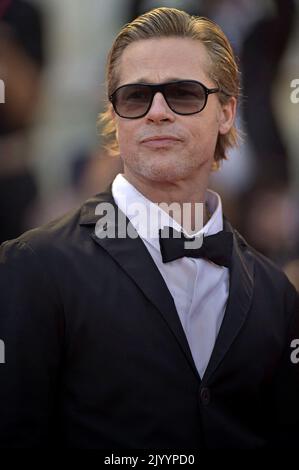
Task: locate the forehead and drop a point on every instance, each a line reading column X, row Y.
column 162, row 59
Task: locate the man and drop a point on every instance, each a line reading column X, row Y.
column 126, row 338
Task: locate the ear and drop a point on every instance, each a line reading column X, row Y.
column 227, row 115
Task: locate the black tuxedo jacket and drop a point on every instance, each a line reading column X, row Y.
column 96, row 357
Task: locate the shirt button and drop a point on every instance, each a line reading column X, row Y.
column 205, row 396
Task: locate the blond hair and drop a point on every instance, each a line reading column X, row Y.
column 170, row 22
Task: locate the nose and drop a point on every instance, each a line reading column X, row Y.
column 159, row 110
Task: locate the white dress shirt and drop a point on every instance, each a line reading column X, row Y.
column 199, row 287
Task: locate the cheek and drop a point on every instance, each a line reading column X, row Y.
column 199, row 134
column 208, row 128
column 203, row 138
column 125, row 136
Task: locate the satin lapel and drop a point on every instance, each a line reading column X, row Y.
column 239, row 301
column 133, row 257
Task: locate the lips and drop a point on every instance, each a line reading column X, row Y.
column 156, row 138
column 160, row 141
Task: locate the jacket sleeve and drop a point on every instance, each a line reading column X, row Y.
column 286, row 388
column 31, row 337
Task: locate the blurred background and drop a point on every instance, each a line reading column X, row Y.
column 52, row 64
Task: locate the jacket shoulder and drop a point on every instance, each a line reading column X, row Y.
column 53, row 234
column 268, row 275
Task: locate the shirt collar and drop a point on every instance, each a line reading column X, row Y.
column 147, row 217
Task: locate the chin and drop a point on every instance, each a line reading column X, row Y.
column 164, row 168
column 168, row 173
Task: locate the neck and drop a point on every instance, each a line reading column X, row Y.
column 183, row 199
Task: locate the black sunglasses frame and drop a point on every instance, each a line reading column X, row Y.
column 160, row 87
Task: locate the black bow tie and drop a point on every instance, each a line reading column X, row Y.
column 216, row 248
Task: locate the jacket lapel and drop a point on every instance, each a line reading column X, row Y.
column 133, row 257
column 239, row 300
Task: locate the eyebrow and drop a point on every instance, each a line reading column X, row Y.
column 169, row 79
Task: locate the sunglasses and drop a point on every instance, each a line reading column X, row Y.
column 183, row 97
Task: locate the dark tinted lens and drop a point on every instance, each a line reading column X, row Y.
column 185, row 97
column 132, row 100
